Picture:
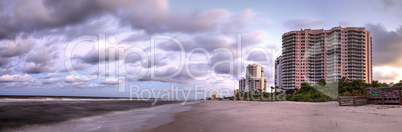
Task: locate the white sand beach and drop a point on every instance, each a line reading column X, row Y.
column 286, row 116
column 237, row 116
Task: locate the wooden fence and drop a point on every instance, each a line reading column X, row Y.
column 385, row 95
column 352, row 100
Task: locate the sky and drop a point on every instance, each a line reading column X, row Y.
column 130, row 47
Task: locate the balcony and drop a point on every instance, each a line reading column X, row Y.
column 355, row 40
column 359, row 72
column 289, row 53
column 315, row 72
column 355, row 58
column 356, row 33
column 288, row 56
column 359, row 65
column 356, row 37
column 356, row 44
column 287, row 66
column 356, row 68
column 292, row 75
column 354, row 61
column 289, row 69
column 357, row 51
column 288, row 50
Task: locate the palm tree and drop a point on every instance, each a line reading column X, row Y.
column 272, row 88
column 259, row 91
column 322, row 82
column 358, row 87
column 398, row 84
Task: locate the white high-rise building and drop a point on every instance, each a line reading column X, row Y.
column 254, row 79
column 278, row 69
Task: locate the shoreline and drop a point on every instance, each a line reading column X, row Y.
column 131, row 120
column 229, row 116
column 22, row 113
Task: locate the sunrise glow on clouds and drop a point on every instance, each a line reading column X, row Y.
column 34, row 36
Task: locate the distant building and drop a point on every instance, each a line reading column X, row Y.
column 242, row 84
column 310, row 55
column 214, row 96
column 391, row 84
column 278, row 69
column 254, row 79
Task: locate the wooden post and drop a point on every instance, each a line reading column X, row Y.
column 354, row 101
column 382, row 94
column 400, row 96
column 367, row 95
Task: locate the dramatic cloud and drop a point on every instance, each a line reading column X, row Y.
column 253, row 38
column 41, row 60
column 34, row 36
column 386, row 77
column 51, row 75
column 15, row 78
column 18, row 47
column 48, row 14
column 51, row 80
column 4, row 61
column 73, row 79
column 386, row 46
column 110, row 81
column 388, row 3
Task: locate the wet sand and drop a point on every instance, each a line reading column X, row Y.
column 17, row 113
column 285, row 116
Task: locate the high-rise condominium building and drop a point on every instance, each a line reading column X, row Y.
column 310, row 55
column 254, row 79
column 278, row 69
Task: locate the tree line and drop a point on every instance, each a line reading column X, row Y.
column 320, row 92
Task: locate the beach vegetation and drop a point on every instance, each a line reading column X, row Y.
column 320, row 92
column 398, row 84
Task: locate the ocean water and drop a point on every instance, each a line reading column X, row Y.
column 128, row 120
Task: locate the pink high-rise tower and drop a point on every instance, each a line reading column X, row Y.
column 310, row 55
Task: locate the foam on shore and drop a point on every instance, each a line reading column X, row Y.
column 132, row 120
